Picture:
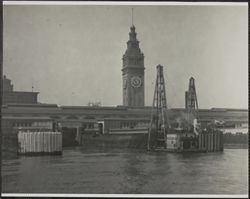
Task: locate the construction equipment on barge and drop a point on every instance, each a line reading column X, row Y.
column 158, row 124
column 188, row 136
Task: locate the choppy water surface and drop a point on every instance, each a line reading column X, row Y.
column 128, row 172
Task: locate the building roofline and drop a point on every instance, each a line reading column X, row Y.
column 29, row 105
column 94, row 107
column 25, row 118
column 20, row 92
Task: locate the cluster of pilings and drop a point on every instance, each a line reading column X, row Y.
column 39, row 143
column 210, row 141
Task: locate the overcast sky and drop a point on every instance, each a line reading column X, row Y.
column 73, row 54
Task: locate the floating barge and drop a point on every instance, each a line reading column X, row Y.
column 181, row 141
column 189, row 142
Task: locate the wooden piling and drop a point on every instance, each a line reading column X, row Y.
column 212, row 141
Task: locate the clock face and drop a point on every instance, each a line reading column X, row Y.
column 136, row 81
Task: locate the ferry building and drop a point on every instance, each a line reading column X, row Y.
column 21, row 110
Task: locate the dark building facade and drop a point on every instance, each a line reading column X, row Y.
column 133, row 72
column 17, row 97
column 7, row 86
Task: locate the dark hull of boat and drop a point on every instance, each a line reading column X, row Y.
column 135, row 141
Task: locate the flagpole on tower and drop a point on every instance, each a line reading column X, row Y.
column 132, row 16
column 32, row 85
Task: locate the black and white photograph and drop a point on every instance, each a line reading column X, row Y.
column 124, row 99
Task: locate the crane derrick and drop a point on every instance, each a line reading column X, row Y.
column 191, row 103
column 157, row 134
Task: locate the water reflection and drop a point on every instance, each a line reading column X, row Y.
column 134, row 172
column 128, row 172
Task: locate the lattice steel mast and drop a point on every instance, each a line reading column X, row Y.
column 191, row 102
column 157, row 134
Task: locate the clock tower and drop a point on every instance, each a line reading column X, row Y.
column 133, row 72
